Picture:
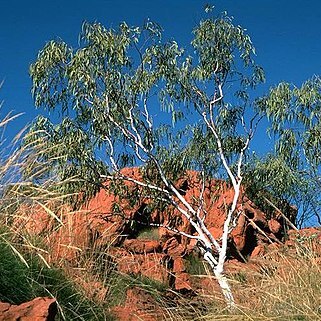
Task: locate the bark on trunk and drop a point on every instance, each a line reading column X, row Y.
column 226, row 290
column 221, row 279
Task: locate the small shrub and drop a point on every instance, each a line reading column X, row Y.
column 195, row 265
column 148, row 234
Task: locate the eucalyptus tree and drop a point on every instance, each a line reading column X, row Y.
column 128, row 97
column 292, row 171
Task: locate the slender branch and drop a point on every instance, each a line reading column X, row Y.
column 220, row 150
column 146, row 114
column 130, row 179
column 201, row 207
column 111, row 153
column 282, row 214
column 175, row 230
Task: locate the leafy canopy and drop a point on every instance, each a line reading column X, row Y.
column 292, row 171
column 128, row 82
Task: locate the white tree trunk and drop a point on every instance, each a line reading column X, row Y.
column 221, row 279
column 226, row 290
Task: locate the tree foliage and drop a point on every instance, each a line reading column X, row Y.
column 131, row 76
column 292, row 170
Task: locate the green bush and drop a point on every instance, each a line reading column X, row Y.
column 195, row 265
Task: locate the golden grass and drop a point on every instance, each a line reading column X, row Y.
column 286, row 286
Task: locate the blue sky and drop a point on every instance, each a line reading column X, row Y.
column 286, row 34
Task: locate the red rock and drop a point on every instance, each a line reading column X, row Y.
column 182, row 282
column 96, row 225
column 142, row 246
column 4, row 307
column 216, row 232
column 151, row 265
column 239, row 242
column 207, row 286
column 39, row 309
column 179, row 265
column 165, row 233
column 258, row 251
column 274, row 226
column 173, row 248
column 305, row 233
column 218, row 196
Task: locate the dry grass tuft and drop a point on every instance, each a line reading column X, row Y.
column 286, row 286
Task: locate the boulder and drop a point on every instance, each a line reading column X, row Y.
column 142, row 246
column 258, row 251
column 179, row 265
column 39, row 309
column 274, row 226
column 151, row 265
column 182, row 282
column 173, row 248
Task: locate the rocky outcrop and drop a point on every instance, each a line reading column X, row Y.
column 39, row 309
column 108, row 222
column 98, row 222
